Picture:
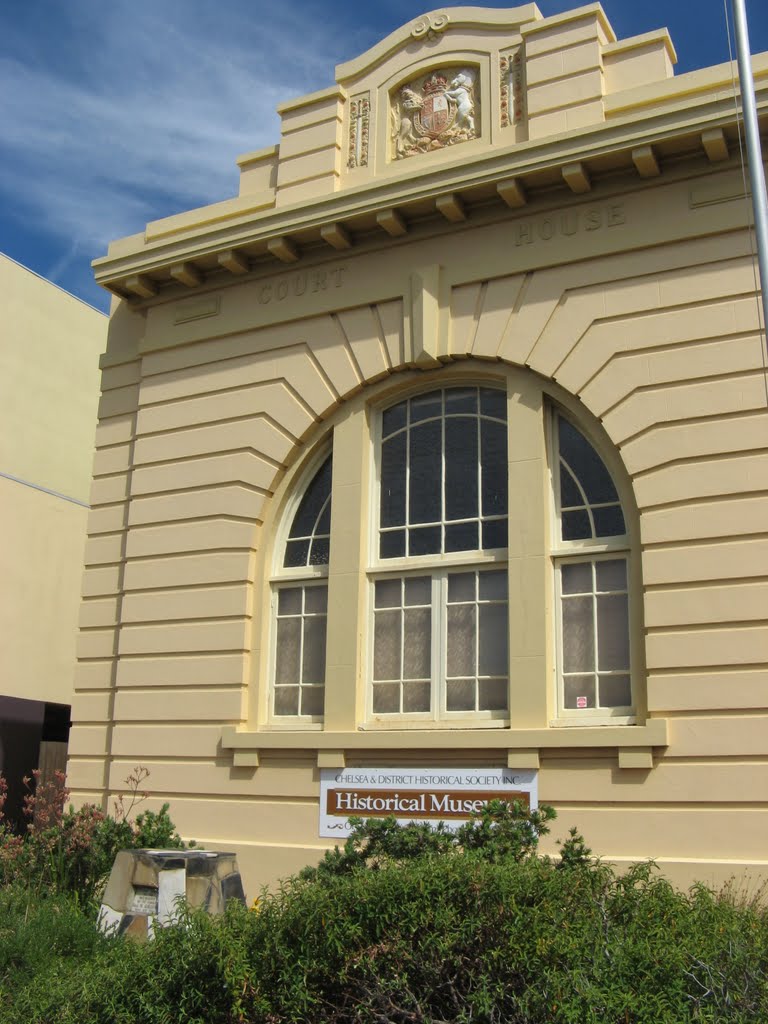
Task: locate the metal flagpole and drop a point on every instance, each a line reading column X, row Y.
column 754, row 155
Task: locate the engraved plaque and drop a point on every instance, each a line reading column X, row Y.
column 144, row 900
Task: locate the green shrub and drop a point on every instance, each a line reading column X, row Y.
column 499, row 831
column 40, row 934
column 406, row 928
column 73, row 851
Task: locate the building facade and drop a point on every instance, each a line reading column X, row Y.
column 50, row 344
column 443, row 447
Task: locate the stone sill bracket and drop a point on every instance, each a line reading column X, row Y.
column 634, row 744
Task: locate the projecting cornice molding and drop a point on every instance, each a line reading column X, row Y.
column 246, row 235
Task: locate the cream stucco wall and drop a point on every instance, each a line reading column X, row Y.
column 606, row 265
column 49, row 379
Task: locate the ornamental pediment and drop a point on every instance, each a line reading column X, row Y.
column 448, row 78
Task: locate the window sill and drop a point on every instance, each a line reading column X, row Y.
column 633, row 743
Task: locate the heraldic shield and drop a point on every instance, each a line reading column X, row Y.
column 435, row 111
column 438, row 111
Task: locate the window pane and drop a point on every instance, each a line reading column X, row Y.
column 460, row 695
column 461, row 586
column 286, row 700
column 308, row 542
column 493, row 403
column 394, row 418
column 315, row 497
column 427, row 406
column 316, row 599
column 393, row 474
column 392, row 544
column 615, row 692
column 578, row 635
column 416, row 697
column 493, row 694
column 313, row 668
column 386, row 645
column 296, row 553
column 612, row 632
column 388, row 593
column 425, row 470
column 461, row 629
column 611, row 575
column 312, row 700
column 495, row 534
column 461, row 537
column 289, row 601
column 321, row 551
column 448, row 459
column 324, row 522
column 609, row 521
column 418, row 643
column 585, row 463
column 461, row 469
column 576, row 578
column 493, row 586
column 288, row 651
column 386, row 698
column 492, row 644
column 494, row 467
column 579, row 692
column 576, row 526
column 460, row 400
column 424, row 541
column 418, row 590
column 570, row 495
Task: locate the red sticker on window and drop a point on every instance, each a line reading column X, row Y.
column 581, row 702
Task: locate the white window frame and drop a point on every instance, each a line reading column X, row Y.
column 564, row 552
column 437, row 566
column 283, row 577
column 438, row 716
column 534, row 620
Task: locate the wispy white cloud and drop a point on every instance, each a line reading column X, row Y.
column 115, row 113
column 139, row 111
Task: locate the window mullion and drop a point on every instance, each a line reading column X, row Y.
column 301, row 642
column 595, row 635
column 401, row 663
column 439, row 644
column 407, row 511
column 479, row 508
column 443, row 495
column 476, row 642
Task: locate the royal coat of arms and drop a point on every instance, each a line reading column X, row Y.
column 435, row 111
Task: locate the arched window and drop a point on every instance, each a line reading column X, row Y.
column 439, row 647
column 592, row 581
column 301, row 605
column 479, row 566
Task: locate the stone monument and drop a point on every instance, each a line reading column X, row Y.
column 145, row 887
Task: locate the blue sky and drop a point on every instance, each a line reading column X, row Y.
column 116, row 112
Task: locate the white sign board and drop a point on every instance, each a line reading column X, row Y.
column 429, row 795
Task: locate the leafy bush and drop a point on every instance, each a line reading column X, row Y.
column 410, row 928
column 72, row 851
column 500, row 830
column 40, row 934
